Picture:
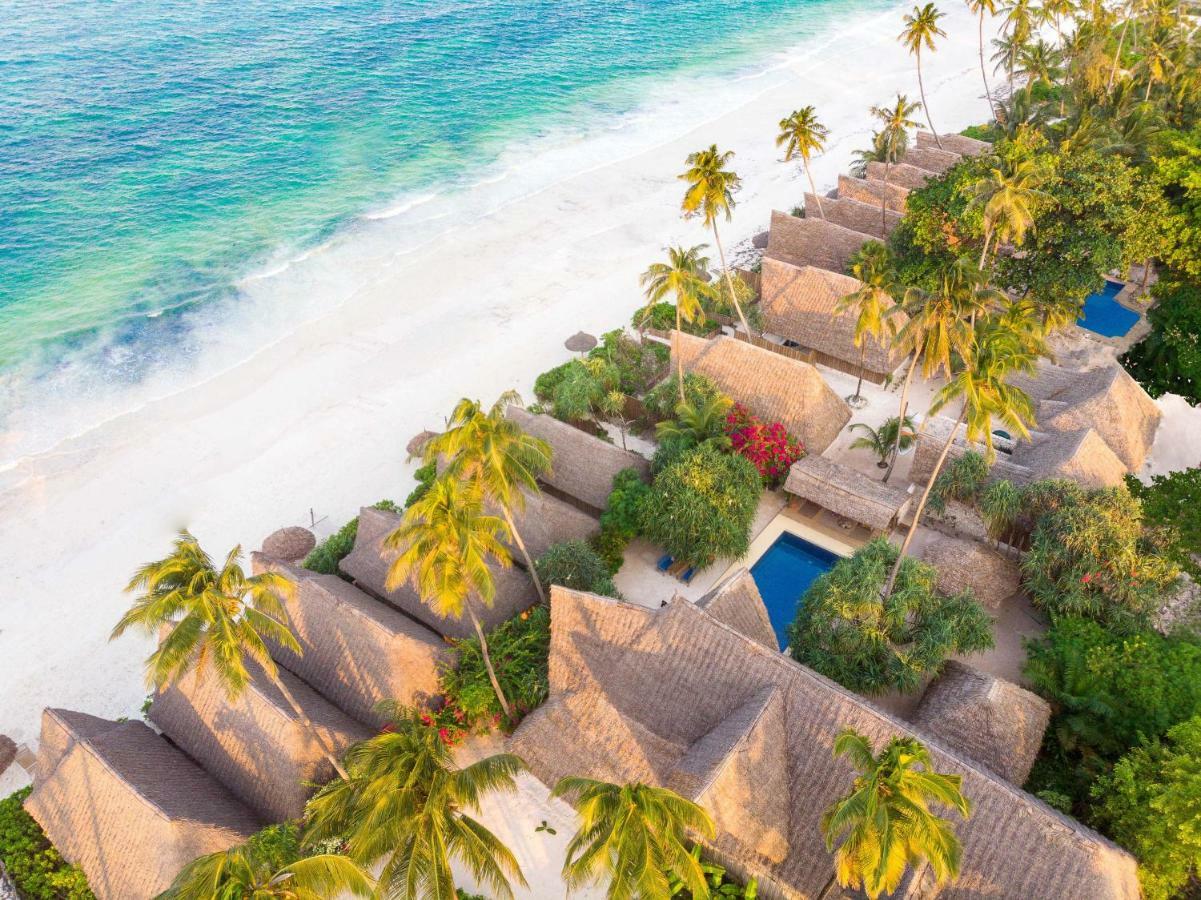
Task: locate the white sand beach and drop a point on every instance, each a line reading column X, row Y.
column 318, row 418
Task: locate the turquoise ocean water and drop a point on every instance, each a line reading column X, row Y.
column 153, row 153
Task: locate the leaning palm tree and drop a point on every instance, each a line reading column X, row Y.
column 683, row 277
column 1008, row 199
column 447, row 542
column 886, row 816
column 980, row 7
column 406, row 803
column 871, row 302
column 981, row 387
column 634, row 837
column 247, row 872
column 921, row 28
column 489, row 449
column 891, row 142
column 801, row 134
column 216, row 619
column 710, row 195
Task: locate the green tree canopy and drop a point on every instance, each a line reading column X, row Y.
column 1168, row 360
column 1172, row 502
column 575, row 565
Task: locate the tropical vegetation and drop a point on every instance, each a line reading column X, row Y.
column 36, row 868
column 324, row 558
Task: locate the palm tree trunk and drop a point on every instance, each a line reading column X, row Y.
column 984, row 249
column 921, row 505
column 987, row 92
column 921, row 89
column 308, row 726
column 896, row 448
column 1147, row 95
column 479, row 632
column 1146, row 277
column 525, row 554
column 813, row 187
column 859, row 385
column 828, row 887
column 729, row 281
column 679, row 357
column 1117, row 57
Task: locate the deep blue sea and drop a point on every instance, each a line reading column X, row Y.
column 153, row 153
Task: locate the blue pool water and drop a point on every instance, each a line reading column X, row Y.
column 1102, row 314
column 783, row 575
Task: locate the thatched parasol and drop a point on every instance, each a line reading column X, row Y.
column 417, row 444
column 580, row 342
column 8, row 752
column 289, row 544
column 759, row 241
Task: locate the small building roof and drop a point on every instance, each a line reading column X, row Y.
column 846, row 491
column 964, row 564
column 930, row 158
column 800, row 303
column 873, row 190
column 852, row 214
column 1079, row 455
column 900, row 173
column 771, row 385
column 812, row 242
column 126, row 806
column 992, row 721
column 583, row 466
column 955, row 143
column 736, row 602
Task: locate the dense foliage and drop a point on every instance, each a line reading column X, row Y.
column 1176, row 171
column 1168, row 360
column 665, row 396
column 961, row 479
column 425, row 476
column 325, row 556
column 36, row 868
column 575, row 565
column 1172, row 504
column 768, row 445
column 701, row 506
column 722, row 885
column 619, row 521
column 845, row 631
column 662, row 317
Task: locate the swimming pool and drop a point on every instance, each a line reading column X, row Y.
column 1103, row 315
column 783, row 575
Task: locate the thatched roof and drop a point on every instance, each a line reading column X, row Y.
column 812, row 242
column 852, row 214
column 418, row 441
column 675, row 696
column 955, row 143
column 930, row 158
column 291, row 543
column 127, row 807
column 772, row 386
column 356, row 650
column 800, row 303
column 369, row 561
column 846, row 491
column 736, row 602
column 580, row 342
column 1079, row 455
column 8, row 752
column 990, row 720
column 872, row 191
column 256, row 745
column 903, row 174
column 545, row 520
column 583, row 465
column 970, row 565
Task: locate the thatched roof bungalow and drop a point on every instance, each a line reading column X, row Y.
column 736, row 602
column 907, row 176
column 369, row 561
column 772, row 386
column 873, row 191
column 930, row 158
column 800, row 304
column 125, row 806
column 1079, row 455
column 853, row 214
column 675, row 697
column 847, row 492
column 256, row 744
column 583, row 465
column 356, row 650
column 966, row 565
column 955, row 143
column 992, row 721
column 812, row 242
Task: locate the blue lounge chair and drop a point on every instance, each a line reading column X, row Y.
column 664, row 563
column 687, row 576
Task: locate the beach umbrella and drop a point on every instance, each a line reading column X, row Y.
column 289, row 544
column 580, row 342
column 417, row 444
column 759, row 241
column 8, row 752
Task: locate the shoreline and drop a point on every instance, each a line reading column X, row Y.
column 318, row 419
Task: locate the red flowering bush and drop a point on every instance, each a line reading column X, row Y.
column 768, row 446
column 449, row 719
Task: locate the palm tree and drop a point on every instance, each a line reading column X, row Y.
column 982, row 388
column 871, row 303
column 980, row 7
column 710, row 194
column 886, row 816
column 921, row 28
column 801, row 134
column 491, row 450
column 249, row 873
column 217, row 619
column 682, row 276
column 695, row 424
column 1040, row 62
column 1019, row 25
column 884, row 440
column 1008, row 198
column 407, row 803
column 634, row 837
column 1055, row 11
column 891, row 142
column 447, row 541
column 1156, row 64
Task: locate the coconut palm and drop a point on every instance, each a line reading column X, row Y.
column 892, row 140
column 217, row 620
column 801, row 134
column 886, row 439
column 634, row 837
column 1008, row 197
column 1040, row 62
column 1054, row 12
column 885, row 821
column 406, row 803
column 1019, row 24
column 1156, row 64
column 247, row 872
column 921, row 28
column 980, row 7
column 490, row 450
column 710, row 195
column 682, row 276
column 982, row 389
column 447, row 541
column 696, row 424
column 871, row 302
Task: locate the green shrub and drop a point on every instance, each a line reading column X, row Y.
column 638, row 365
column 665, row 396
column 961, row 479
column 722, row 885
column 34, row 865
column 1151, row 804
column 843, row 629
column 1172, row 503
column 325, row 557
column 425, row 476
column 700, row 507
column 662, row 317
column 519, row 649
column 574, row 565
column 619, row 521
column 545, row 384
column 987, row 132
column 582, row 387
column 610, row 545
column 1168, row 360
